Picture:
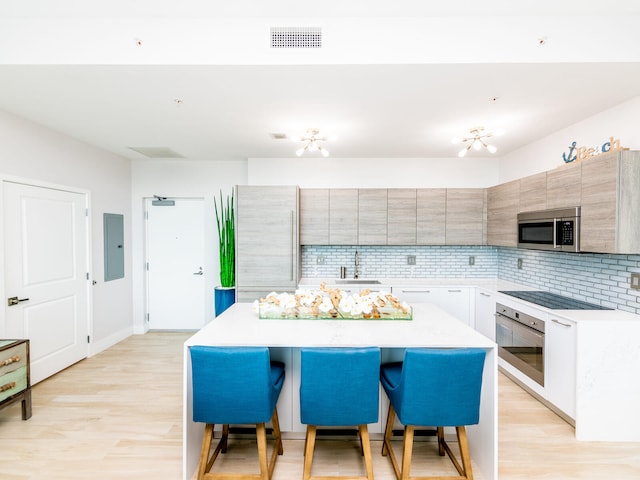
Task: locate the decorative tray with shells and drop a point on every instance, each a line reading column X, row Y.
column 332, row 303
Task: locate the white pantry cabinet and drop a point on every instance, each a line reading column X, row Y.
column 560, row 363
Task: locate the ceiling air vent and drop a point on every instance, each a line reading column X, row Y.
column 156, row 152
column 296, row 37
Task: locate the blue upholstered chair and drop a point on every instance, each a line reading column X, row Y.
column 339, row 387
column 236, row 385
column 433, row 388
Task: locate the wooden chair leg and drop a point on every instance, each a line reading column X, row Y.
column 310, row 442
column 464, row 452
column 388, row 431
column 261, row 434
column 224, row 439
column 276, row 432
column 407, row 450
column 440, row 433
column 203, row 466
column 464, row 470
column 366, row 448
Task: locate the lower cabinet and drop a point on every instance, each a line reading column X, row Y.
column 485, row 313
column 453, row 300
column 560, row 364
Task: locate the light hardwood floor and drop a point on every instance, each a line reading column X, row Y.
column 118, row 415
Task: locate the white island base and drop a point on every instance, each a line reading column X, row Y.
column 430, row 327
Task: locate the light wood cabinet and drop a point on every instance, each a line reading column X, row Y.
column 267, row 243
column 401, row 216
column 372, row 216
column 502, row 214
column 431, row 214
column 343, row 216
column 610, row 217
column 533, row 192
column 314, row 216
column 466, row 217
column 564, row 186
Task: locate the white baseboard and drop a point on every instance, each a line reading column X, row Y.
column 110, row 341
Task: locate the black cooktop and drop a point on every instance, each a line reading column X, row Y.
column 553, row 300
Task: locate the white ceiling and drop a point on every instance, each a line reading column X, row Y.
column 381, row 95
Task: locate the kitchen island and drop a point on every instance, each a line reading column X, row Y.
column 430, row 327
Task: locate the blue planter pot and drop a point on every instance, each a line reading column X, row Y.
column 224, row 298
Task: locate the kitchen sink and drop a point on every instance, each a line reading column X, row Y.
column 357, row 281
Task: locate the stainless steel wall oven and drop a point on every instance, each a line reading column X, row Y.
column 520, row 339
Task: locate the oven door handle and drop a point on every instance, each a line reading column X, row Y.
column 555, row 234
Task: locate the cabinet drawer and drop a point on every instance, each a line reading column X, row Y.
column 13, row 382
column 13, row 358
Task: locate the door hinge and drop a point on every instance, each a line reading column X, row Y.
column 146, row 215
column 147, row 318
column 87, row 275
column 147, row 266
column 88, row 339
column 86, row 212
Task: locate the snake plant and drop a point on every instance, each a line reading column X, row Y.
column 225, row 219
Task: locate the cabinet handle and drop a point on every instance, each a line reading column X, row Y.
column 7, row 386
column 560, row 323
column 485, row 294
column 291, row 243
column 416, row 291
column 9, row 361
column 454, row 291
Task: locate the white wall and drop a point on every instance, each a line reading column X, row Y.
column 318, row 172
column 622, row 122
column 179, row 179
column 39, row 154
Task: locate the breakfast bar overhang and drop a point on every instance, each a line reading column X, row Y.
column 430, row 327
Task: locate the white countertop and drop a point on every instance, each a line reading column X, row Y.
column 491, row 285
column 430, row 327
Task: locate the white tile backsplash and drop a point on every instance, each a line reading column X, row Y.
column 596, row 278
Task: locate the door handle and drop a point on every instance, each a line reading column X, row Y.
column 199, row 272
column 15, row 301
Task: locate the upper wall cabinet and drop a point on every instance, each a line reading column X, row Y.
column 431, row 214
column 533, row 192
column 610, row 221
column 401, row 216
column 343, row 216
column 372, row 216
column 466, row 216
column 314, row 216
column 564, row 186
column 502, row 214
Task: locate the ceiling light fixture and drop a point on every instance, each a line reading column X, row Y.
column 477, row 140
column 312, row 141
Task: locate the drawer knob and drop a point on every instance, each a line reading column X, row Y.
column 7, row 386
column 10, row 360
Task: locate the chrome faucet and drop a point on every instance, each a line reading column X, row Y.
column 355, row 270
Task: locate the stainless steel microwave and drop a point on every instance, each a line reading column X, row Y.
column 556, row 230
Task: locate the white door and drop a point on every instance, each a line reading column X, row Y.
column 46, row 285
column 175, row 261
